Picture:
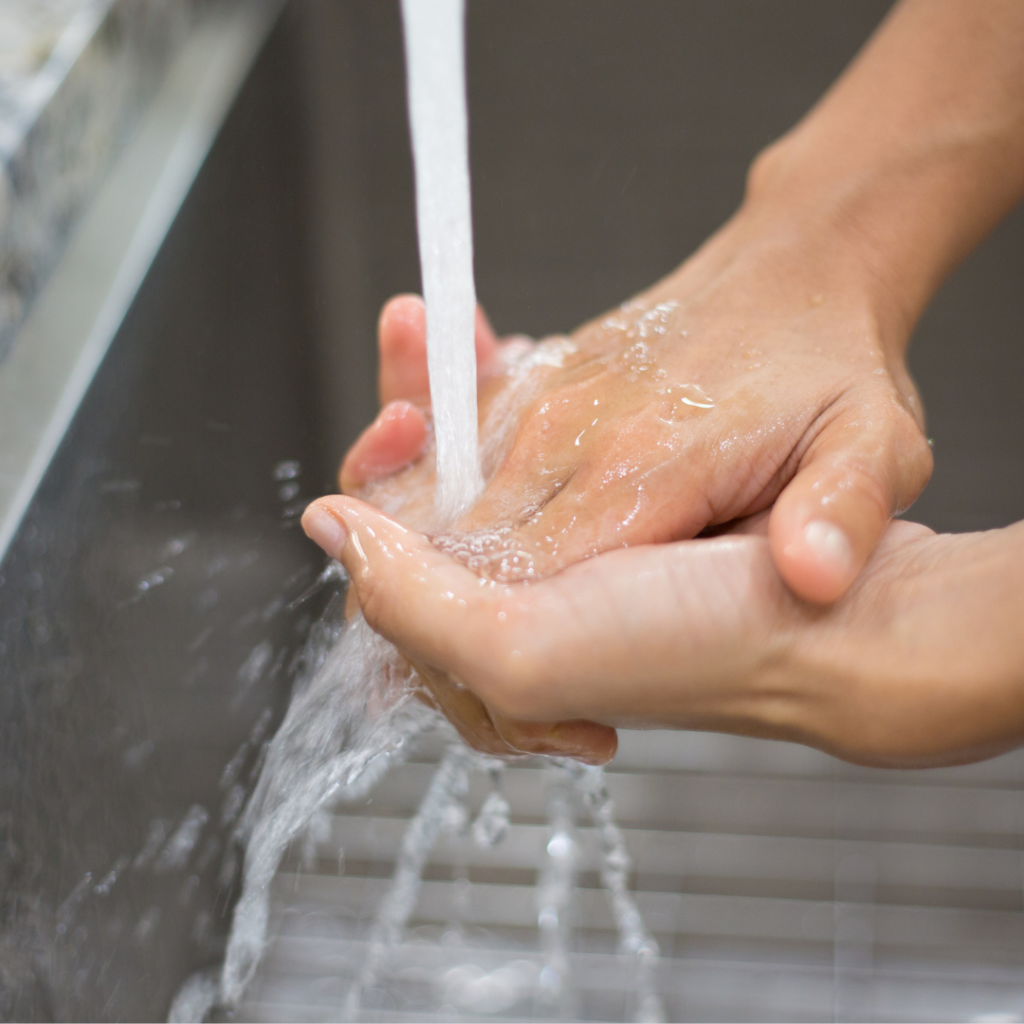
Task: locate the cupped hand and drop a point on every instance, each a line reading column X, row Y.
column 918, row 664
column 378, row 468
column 764, row 372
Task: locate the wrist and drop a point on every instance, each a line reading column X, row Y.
column 853, row 228
column 797, row 254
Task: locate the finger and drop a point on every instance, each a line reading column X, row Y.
column 863, row 469
column 561, row 649
column 579, row 739
column 439, row 613
column 501, row 736
column 466, row 713
column 488, row 347
column 395, row 439
column 498, row 734
column 402, row 340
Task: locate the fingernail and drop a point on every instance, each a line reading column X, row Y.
column 322, row 528
column 829, row 544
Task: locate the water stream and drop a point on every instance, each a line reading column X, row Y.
column 435, row 70
column 352, row 714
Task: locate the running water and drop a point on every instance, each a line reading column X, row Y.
column 435, row 69
column 351, row 716
column 554, row 899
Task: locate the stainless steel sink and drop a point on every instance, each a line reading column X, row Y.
column 147, row 607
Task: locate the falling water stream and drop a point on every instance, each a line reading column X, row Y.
column 439, row 125
column 351, row 715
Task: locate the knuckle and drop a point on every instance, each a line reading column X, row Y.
column 889, row 460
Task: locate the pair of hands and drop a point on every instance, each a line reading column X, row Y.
column 759, row 392
column 722, row 400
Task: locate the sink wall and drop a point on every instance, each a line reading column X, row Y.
column 144, row 628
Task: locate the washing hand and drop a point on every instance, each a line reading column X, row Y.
column 656, row 421
column 763, row 371
column 377, row 470
column 899, row 672
column 766, row 374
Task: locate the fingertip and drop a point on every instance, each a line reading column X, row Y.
column 402, row 342
column 602, row 744
column 347, row 529
column 395, row 439
column 817, row 560
column 323, row 527
column 578, row 739
column 400, row 311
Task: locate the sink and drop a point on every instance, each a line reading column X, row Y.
column 156, row 594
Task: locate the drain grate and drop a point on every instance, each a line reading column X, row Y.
column 779, row 884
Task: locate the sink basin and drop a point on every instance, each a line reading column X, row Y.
column 150, row 612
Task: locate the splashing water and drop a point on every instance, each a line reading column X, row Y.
column 342, row 729
column 554, row 898
column 615, row 868
column 446, row 793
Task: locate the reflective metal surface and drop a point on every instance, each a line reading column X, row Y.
column 144, row 628
column 778, row 883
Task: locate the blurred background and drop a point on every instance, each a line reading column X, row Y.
column 202, row 207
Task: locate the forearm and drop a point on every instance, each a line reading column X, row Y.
column 914, row 154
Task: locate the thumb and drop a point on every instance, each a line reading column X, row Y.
column 861, row 471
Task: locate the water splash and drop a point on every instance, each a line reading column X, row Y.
column 446, row 792
column 353, row 713
column 615, row 867
column 554, row 897
column 492, row 820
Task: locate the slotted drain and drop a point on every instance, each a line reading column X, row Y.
column 778, row 883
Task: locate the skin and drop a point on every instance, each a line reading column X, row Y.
column 765, row 376
column 378, row 468
column 901, row 671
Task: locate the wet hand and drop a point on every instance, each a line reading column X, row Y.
column 378, row 468
column 919, row 664
column 762, row 373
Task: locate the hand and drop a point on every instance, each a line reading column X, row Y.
column 372, row 469
column 919, row 664
column 762, row 371
column 793, row 319
column 662, row 459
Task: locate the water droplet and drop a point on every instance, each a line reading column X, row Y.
column 287, row 470
column 683, row 398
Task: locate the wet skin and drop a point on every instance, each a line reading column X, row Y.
column 753, row 372
column 691, row 407
column 894, row 673
column 902, row 671
column 392, row 466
